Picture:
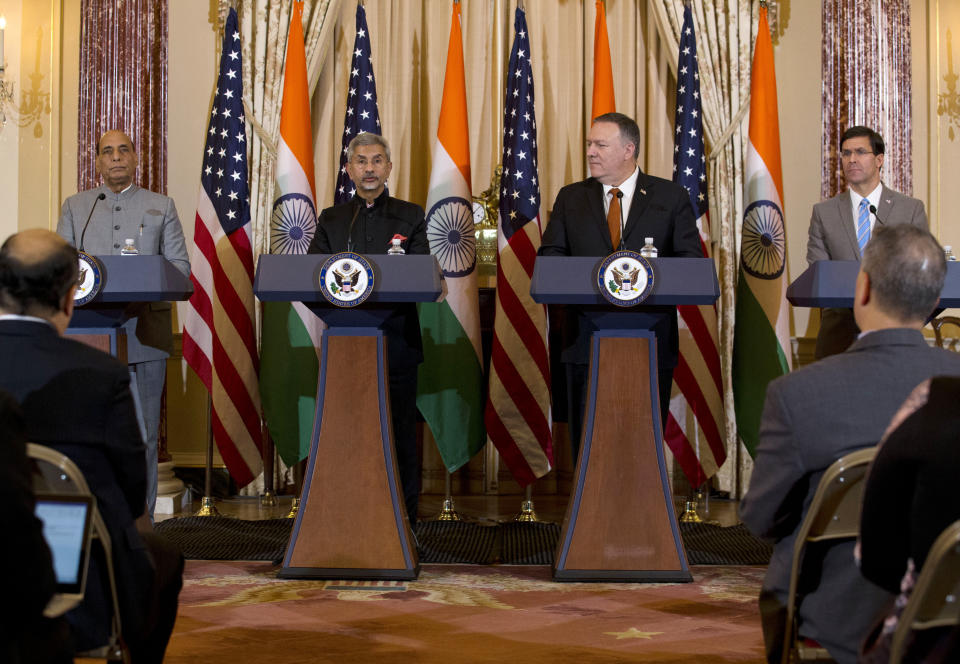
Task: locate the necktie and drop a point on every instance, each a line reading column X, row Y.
column 613, row 218
column 863, row 224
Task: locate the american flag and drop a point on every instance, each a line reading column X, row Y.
column 518, row 407
column 361, row 114
column 697, row 374
column 218, row 337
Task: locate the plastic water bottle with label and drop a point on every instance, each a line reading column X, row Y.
column 129, row 248
column 948, row 252
column 648, row 250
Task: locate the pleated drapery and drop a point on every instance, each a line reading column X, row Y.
column 867, row 81
column 725, row 35
column 123, row 85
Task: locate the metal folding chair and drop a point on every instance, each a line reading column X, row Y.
column 935, row 600
column 58, row 474
column 834, row 514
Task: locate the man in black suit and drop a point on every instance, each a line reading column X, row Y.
column 617, row 208
column 817, row 414
column 77, row 400
column 28, row 580
column 366, row 225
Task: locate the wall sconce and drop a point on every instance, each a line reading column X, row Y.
column 6, row 89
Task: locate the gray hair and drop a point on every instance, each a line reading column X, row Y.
column 367, row 138
column 907, row 267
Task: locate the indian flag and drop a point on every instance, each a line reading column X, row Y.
column 450, row 387
column 291, row 332
column 761, row 348
column 604, row 100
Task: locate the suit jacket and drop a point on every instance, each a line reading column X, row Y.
column 371, row 233
column 833, row 236
column 77, row 400
column 578, row 227
column 151, row 220
column 811, row 418
column 25, row 556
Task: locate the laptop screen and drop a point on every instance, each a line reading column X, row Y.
column 66, row 527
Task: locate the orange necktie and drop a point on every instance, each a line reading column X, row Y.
column 613, row 218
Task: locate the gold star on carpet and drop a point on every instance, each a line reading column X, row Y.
column 633, row 633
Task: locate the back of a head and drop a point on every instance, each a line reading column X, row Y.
column 37, row 269
column 907, row 268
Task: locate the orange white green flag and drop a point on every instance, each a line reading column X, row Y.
column 291, row 333
column 603, row 97
column 761, row 349
column 450, row 384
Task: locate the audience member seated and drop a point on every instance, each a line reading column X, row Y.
column 28, row 581
column 815, row 415
column 77, row 400
column 910, row 498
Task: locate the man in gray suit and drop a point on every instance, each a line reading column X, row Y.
column 120, row 210
column 816, row 414
column 841, row 225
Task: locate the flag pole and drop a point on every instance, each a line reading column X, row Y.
column 269, row 496
column 527, row 512
column 448, row 512
column 207, row 506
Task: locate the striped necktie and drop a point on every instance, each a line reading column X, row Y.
column 863, row 224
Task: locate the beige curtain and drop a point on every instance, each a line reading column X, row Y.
column 725, row 35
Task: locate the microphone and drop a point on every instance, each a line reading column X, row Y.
column 622, row 225
column 873, row 211
column 87, row 222
column 356, row 211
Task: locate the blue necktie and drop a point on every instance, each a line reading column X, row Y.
column 863, row 224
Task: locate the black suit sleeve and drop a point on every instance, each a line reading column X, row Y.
column 124, row 446
column 417, row 243
column 321, row 239
column 686, row 237
column 28, row 567
column 554, row 241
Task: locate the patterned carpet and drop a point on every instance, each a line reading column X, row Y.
column 240, row 612
column 452, row 542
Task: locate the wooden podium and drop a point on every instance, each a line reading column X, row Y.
column 621, row 524
column 127, row 281
column 352, row 522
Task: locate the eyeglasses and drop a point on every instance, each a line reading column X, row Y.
column 860, row 152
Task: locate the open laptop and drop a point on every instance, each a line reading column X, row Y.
column 67, row 525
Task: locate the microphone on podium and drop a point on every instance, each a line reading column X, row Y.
column 87, row 222
column 873, row 211
column 358, row 203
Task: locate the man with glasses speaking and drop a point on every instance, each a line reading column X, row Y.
column 841, row 226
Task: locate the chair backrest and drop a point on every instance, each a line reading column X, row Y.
column 59, row 474
column 935, row 600
column 834, row 513
column 938, row 323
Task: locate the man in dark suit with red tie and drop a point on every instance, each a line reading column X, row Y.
column 617, row 208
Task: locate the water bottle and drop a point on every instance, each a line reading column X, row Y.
column 129, row 248
column 948, row 252
column 648, row 250
column 395, row 248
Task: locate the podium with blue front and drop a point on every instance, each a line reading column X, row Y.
column 620, row 523
column 123, row 284
column 352, row 522
column 832, row 284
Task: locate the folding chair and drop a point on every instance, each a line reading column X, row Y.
column 58, row 474
column 937, row 324
column 834, row 514
column 935, row 600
